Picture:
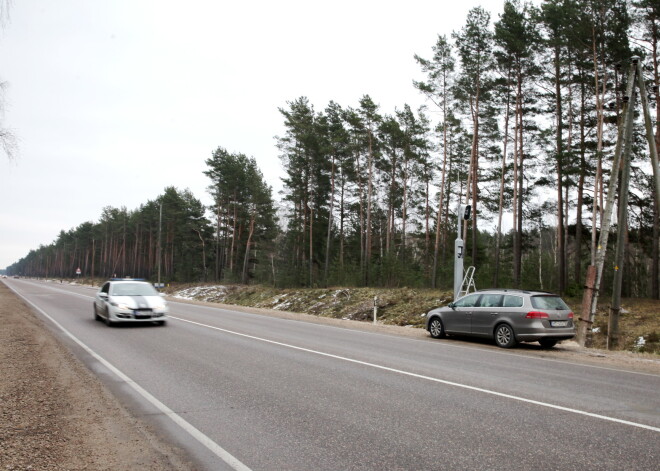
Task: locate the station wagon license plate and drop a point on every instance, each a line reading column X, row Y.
column 559, row 323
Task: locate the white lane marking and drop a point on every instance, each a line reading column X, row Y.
column 498, row 351
column 428, row 378
column 216, row 449
column 64, row 291
column 461, row 347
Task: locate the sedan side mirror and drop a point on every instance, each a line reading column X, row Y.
column 103, row 295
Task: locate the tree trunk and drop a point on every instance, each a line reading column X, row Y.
column 311, row 247
column 655, row 269
column 560, row 177
column 498, row 234
column 361, row 204
column 598, row 183
column 577, row 273
column 330, row 220
column 404, row 215
column 438, row 224
column 233, row 239
column 475, row 180
column 341, row 223
column 521, row 166
column 369, row 211
column 246, row 259
column 517, row 232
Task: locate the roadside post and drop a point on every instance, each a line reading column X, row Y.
column 375, row 308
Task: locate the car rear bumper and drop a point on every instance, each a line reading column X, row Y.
column 559, row 334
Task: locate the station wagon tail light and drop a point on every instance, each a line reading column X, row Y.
column 537, row 315
column 570, row 315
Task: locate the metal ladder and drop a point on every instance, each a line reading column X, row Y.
column 468, row 283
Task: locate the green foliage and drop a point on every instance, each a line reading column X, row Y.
column 369, row 196
column 244, row 213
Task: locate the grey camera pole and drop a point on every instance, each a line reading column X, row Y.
column 458, row 252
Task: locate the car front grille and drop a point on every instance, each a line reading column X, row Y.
column 142, row 313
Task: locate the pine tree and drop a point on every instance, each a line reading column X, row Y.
column 307, row 184
column 244, row 211
column 474, row 45
column 439, row 71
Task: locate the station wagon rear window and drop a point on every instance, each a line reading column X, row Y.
column 549, row 302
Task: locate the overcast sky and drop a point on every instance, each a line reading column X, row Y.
column 114, row 100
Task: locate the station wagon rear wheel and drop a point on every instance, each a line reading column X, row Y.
column 504, row 336
column 436, row 328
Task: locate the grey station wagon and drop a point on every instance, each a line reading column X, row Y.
column 508, row 316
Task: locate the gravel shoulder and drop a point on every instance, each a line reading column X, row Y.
column 55, row 414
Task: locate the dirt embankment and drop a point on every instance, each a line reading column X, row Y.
column 55, row 415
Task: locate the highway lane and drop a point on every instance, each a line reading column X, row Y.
column 282, row 394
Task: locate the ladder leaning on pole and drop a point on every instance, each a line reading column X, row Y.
column 468, row 283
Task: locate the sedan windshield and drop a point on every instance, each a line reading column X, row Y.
column 133, row 289
column 549, row 302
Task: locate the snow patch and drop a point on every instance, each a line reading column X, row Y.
column 202, row 293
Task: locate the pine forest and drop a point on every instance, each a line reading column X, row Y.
column 521, row 122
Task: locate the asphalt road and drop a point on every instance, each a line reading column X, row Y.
column 248, row 391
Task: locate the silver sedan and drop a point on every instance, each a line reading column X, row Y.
column 129, row 300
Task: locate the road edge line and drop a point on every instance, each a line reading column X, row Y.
column 216, row 449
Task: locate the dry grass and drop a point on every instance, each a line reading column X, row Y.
column 400, row 306
column 639, row 318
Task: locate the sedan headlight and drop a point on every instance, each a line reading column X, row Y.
column 160, row 307
column 122, row 306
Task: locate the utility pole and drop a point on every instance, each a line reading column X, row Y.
column 623, row 145
column 615, row 308
column 160, row 223
column 595, row 272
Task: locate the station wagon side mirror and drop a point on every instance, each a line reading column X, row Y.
column 103, row 295
column 451, row 305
